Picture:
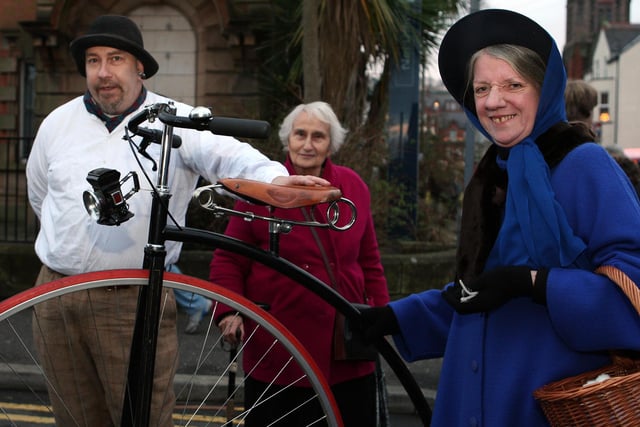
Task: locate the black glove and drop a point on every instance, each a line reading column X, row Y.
column 377, row 322
column 496, row 287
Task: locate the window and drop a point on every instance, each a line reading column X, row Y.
column 604, row 116
column 27, row 100
column 451, row 106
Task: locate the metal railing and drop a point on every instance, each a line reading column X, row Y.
column 18, row 223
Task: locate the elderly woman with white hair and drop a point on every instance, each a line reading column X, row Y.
column 348, row 261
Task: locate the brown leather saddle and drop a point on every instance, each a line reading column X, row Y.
column 280, row 196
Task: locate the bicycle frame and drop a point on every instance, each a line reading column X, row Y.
column 137, row 400
column 313, row 284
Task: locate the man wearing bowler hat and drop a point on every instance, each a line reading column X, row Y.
column 83, row 339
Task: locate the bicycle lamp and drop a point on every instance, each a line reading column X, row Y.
column 106, row 204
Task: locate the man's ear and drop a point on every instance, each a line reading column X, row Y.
column 140, row 69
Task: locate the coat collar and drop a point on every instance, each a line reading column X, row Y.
column 328, row 171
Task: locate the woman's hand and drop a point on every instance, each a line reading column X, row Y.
column 232, row 329
column 494, row 288
column 376, row 322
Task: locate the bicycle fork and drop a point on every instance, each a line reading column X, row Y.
column 138, row 392
column 139, row 388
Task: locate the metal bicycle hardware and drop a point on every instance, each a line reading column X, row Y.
column 107, row 204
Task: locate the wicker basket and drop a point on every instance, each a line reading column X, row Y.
column 612, row 402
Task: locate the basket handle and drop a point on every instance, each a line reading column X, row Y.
column 624, row 282
column 627, row 359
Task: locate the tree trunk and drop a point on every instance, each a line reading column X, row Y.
column 310, row 51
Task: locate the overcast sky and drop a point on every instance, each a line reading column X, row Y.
column 551, row 14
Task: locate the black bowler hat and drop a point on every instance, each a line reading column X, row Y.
column 478, row 30
column 114, row 31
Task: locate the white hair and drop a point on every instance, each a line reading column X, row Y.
column 323, row 112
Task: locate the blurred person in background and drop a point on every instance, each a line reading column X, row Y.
column 194, row 305
column 580, row 100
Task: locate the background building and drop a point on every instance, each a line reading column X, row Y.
column 585, row 18
column 443, row 117
column 614, row 65
column 202, row 49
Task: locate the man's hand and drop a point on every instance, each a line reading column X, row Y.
column 300, row 180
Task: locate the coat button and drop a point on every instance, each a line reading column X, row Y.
column 474, row 365
column 473, row 422
column 305, row 266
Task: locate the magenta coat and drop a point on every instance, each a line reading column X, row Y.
column 353, row 255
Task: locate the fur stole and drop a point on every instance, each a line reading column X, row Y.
column 484, row 197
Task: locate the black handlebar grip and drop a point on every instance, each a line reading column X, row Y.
column 244, row 128
column 135, row 121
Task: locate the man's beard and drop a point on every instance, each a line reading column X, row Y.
column 111, row 108
column 112, row 104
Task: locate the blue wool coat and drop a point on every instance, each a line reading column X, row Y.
column 493, row 362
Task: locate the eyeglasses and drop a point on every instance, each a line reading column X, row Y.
column 482, row 90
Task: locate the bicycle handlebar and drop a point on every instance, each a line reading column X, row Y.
column 155, row 135
column 245, row 128
column 147, row 113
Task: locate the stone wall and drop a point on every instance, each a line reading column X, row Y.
column 406, row 273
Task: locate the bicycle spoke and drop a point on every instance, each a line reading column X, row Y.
column 202, row 380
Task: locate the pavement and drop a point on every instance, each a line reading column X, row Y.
column 426, row 373
column 14, row 360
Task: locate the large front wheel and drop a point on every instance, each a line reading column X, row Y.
column 208, row 383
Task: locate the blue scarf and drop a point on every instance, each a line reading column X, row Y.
column 535, row 231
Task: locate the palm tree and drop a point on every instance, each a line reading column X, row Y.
column 325, row 49
column 341, row 40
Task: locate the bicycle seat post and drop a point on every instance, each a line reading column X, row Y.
column 276, row 228
column 274, row 235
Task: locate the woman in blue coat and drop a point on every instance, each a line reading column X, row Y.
column 545, row 207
